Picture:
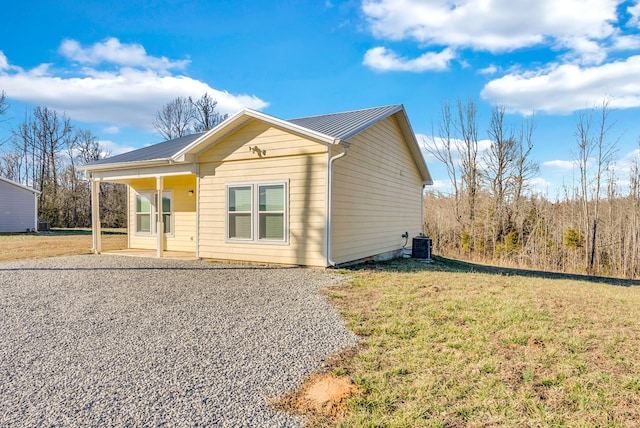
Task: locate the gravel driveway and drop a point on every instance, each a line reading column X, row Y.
column 126, row 341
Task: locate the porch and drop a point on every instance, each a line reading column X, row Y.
column 134, row 252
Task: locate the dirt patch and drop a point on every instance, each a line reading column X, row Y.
column 323, row 394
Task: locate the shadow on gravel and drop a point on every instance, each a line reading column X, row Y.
column 443, row 264
column 143, row 268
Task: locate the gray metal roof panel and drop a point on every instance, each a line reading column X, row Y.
column 340, row 126
column 162, row 150
column 346, row 124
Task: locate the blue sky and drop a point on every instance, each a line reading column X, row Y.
column 111, row 65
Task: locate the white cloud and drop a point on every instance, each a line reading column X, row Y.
column 584, row 51
column 568, row 87
column 635, row 14
column 492, row 69
column 626, row 164
column 491, row 25
column 113, row 52
column 441, row 186
column 626, row 43
column 383, row 59
column 111, row 130
column 111, row 148
column 124, row 96
column 4, row 64
column 437, row 143
column 539, row 185
column 560, row 164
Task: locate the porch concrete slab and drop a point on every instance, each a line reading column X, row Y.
column 133, row 252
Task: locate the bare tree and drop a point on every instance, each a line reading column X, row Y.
column 4, row 108
column 467, row 146
column 633, row 246
column 4, row 103
column 175, row 119
column 444, row 149
column 594, row 147
column 457, row 147
column 205, row 115
column 500, row 161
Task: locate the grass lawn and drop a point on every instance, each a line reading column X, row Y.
column 446, row 346
column 58, row 242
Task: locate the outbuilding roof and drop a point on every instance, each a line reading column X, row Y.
column 20, row 186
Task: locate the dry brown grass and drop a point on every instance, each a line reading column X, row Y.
column 444, row 347
column 58, row 243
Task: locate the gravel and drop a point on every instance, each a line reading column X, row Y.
column 126, row 341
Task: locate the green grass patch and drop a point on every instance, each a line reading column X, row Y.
column 451, row 344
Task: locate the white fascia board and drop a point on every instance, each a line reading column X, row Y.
column 372, row 122
column 124, row 165
column 414, row 147
column 165, row 170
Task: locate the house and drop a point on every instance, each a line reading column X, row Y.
column 18, row 207
column 317, row 191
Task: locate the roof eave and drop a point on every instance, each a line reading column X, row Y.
column 21, row 186
column 125, row 165
column 244, row 116
column 396, row 109
column 410, row 136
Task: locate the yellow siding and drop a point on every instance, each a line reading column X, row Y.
column 184, row 214
column 377, row 195
column 300, row 162
column 274, row 141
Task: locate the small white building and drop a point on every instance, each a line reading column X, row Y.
column 18, row 207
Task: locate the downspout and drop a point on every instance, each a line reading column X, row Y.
column 422, row 209
column 197, row 195
column 329, row 206
column 35, row 213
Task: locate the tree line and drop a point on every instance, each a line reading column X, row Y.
column 45, row 150
column 492, row 215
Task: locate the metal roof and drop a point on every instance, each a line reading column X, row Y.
column 346, row 124
column 163, row 150
column 329, row 128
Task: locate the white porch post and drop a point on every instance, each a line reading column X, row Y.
column 95, row 217
column 160, row 223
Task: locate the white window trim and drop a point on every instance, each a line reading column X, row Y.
column 255, row 214
column 151, row 197
column 152, row 194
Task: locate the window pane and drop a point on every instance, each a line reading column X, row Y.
column 143, row 204
column 272, row 198
column 240, row 226
column 271, row 226
column 166, row 203
column 166, row 220
column 143, row 223
column 239, row 199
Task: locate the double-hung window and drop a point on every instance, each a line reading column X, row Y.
column 146, row 213
column 240, row 208
column 143, row 212
column 167, row 214
column 257, row 212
